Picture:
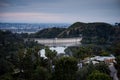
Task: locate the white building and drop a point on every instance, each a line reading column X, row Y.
column 97, row 59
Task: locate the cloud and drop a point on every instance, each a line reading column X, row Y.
column 31, row 17
column 59, row 10
column 3, row 4
column 34, row 17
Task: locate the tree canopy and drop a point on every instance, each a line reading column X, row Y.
column 65, row 68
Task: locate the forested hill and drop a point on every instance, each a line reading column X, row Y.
column 97, row 32
column 87, row 30
column 48, row 33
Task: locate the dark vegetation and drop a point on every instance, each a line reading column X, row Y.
column 98, row 33
column 17, row 56
column 47, row 33
column 20, row 60
column 116, row 50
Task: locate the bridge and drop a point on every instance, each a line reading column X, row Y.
column 59, row 41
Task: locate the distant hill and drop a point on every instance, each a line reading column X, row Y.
column 97, row 32
column 86, row 29
column 73, row 31
column 48, row 33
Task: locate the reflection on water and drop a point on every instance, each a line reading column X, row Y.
column 57, row 49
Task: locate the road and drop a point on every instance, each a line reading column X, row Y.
column 113, row 72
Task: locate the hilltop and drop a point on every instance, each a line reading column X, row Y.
column 97, row 32
column 48, row 33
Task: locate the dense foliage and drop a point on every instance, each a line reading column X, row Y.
column 82, row 52
column 18, row 58
column 21, row 60
column 96, row 75
column 65, row 69
column 99, row 33
column 116, row 51
column 47, row 33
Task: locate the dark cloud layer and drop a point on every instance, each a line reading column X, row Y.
column 68, row 10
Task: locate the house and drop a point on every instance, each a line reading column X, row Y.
column 97, row 59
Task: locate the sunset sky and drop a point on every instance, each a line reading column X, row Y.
column 59, row 11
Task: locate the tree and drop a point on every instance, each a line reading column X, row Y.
column 50, row 55
column 82, row 52
column 116, row 51
column 5, row 67
column 81, row 73
column 118, row 65
column 90, row 68
column 116, row 48
column 25, row 62
column 7, row 76
column 28, row 64
column 37, row 54
column 65, row 69
column 41, row 73
column 96, row 75
column 104, row 53
column 20, row 59
column 103, row 68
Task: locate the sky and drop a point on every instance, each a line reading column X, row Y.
column 59, row 11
